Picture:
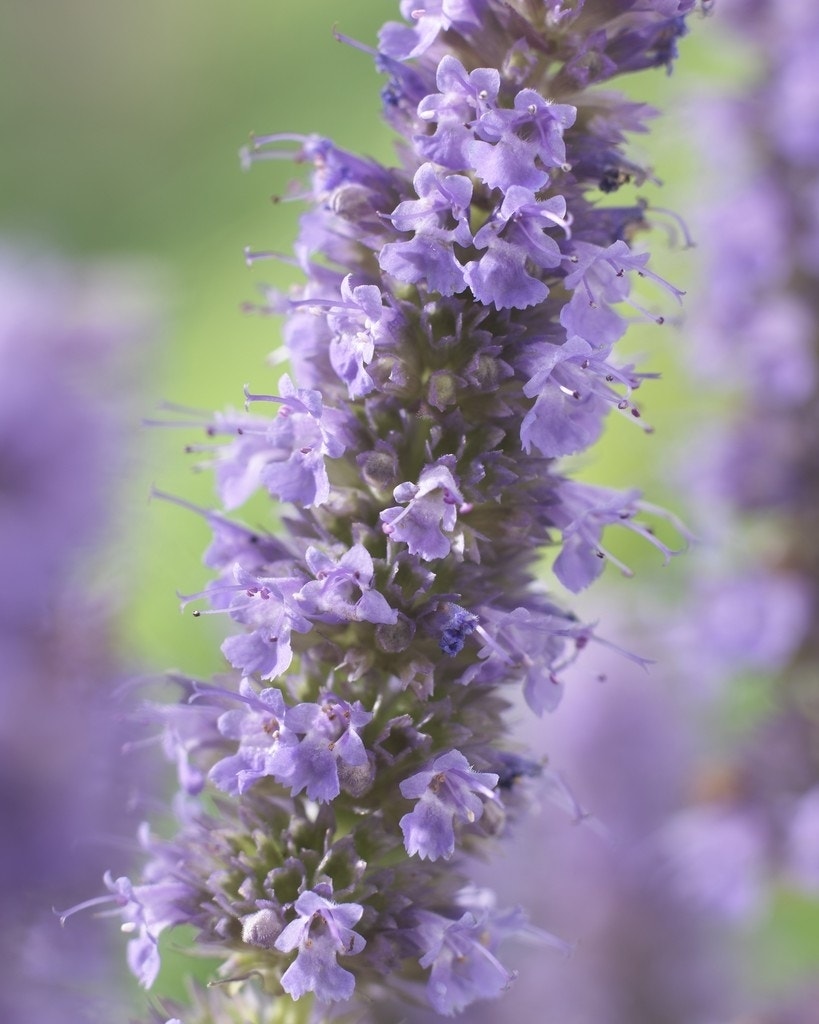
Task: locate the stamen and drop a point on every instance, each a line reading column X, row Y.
column 252, row 257
column 97, row 901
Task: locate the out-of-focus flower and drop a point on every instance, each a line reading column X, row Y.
column 70, row 338
column 756, row 337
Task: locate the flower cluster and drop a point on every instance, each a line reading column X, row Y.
column 453, row 339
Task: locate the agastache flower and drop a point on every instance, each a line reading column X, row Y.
column 448, row 789
column 437, row 220
column 322, row 931
column 331, row 594
column 446, row 298
column 262, row 739
column 430, row 512
column 462, row 969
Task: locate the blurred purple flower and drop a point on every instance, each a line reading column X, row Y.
column 71, row 344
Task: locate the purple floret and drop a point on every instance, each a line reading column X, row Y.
column 266, row 605
column 517, row 147
column 449, row 789
column 359, row 324
column 430, row 514
column 329, row 734
column 462, row 98
column 322, row 932
column 263, row 740
column 342, row 590
column 285, row 455
column 302, row 436
column 434, row 17
column 575, row 386
column 438, row 220
column 514, row 241
column 148, row 910
column 582, row 514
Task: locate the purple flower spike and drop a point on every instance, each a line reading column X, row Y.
column 451, row 339
column 449, row 789
column 322, row 932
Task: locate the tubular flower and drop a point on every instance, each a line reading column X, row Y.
column 453, row 338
